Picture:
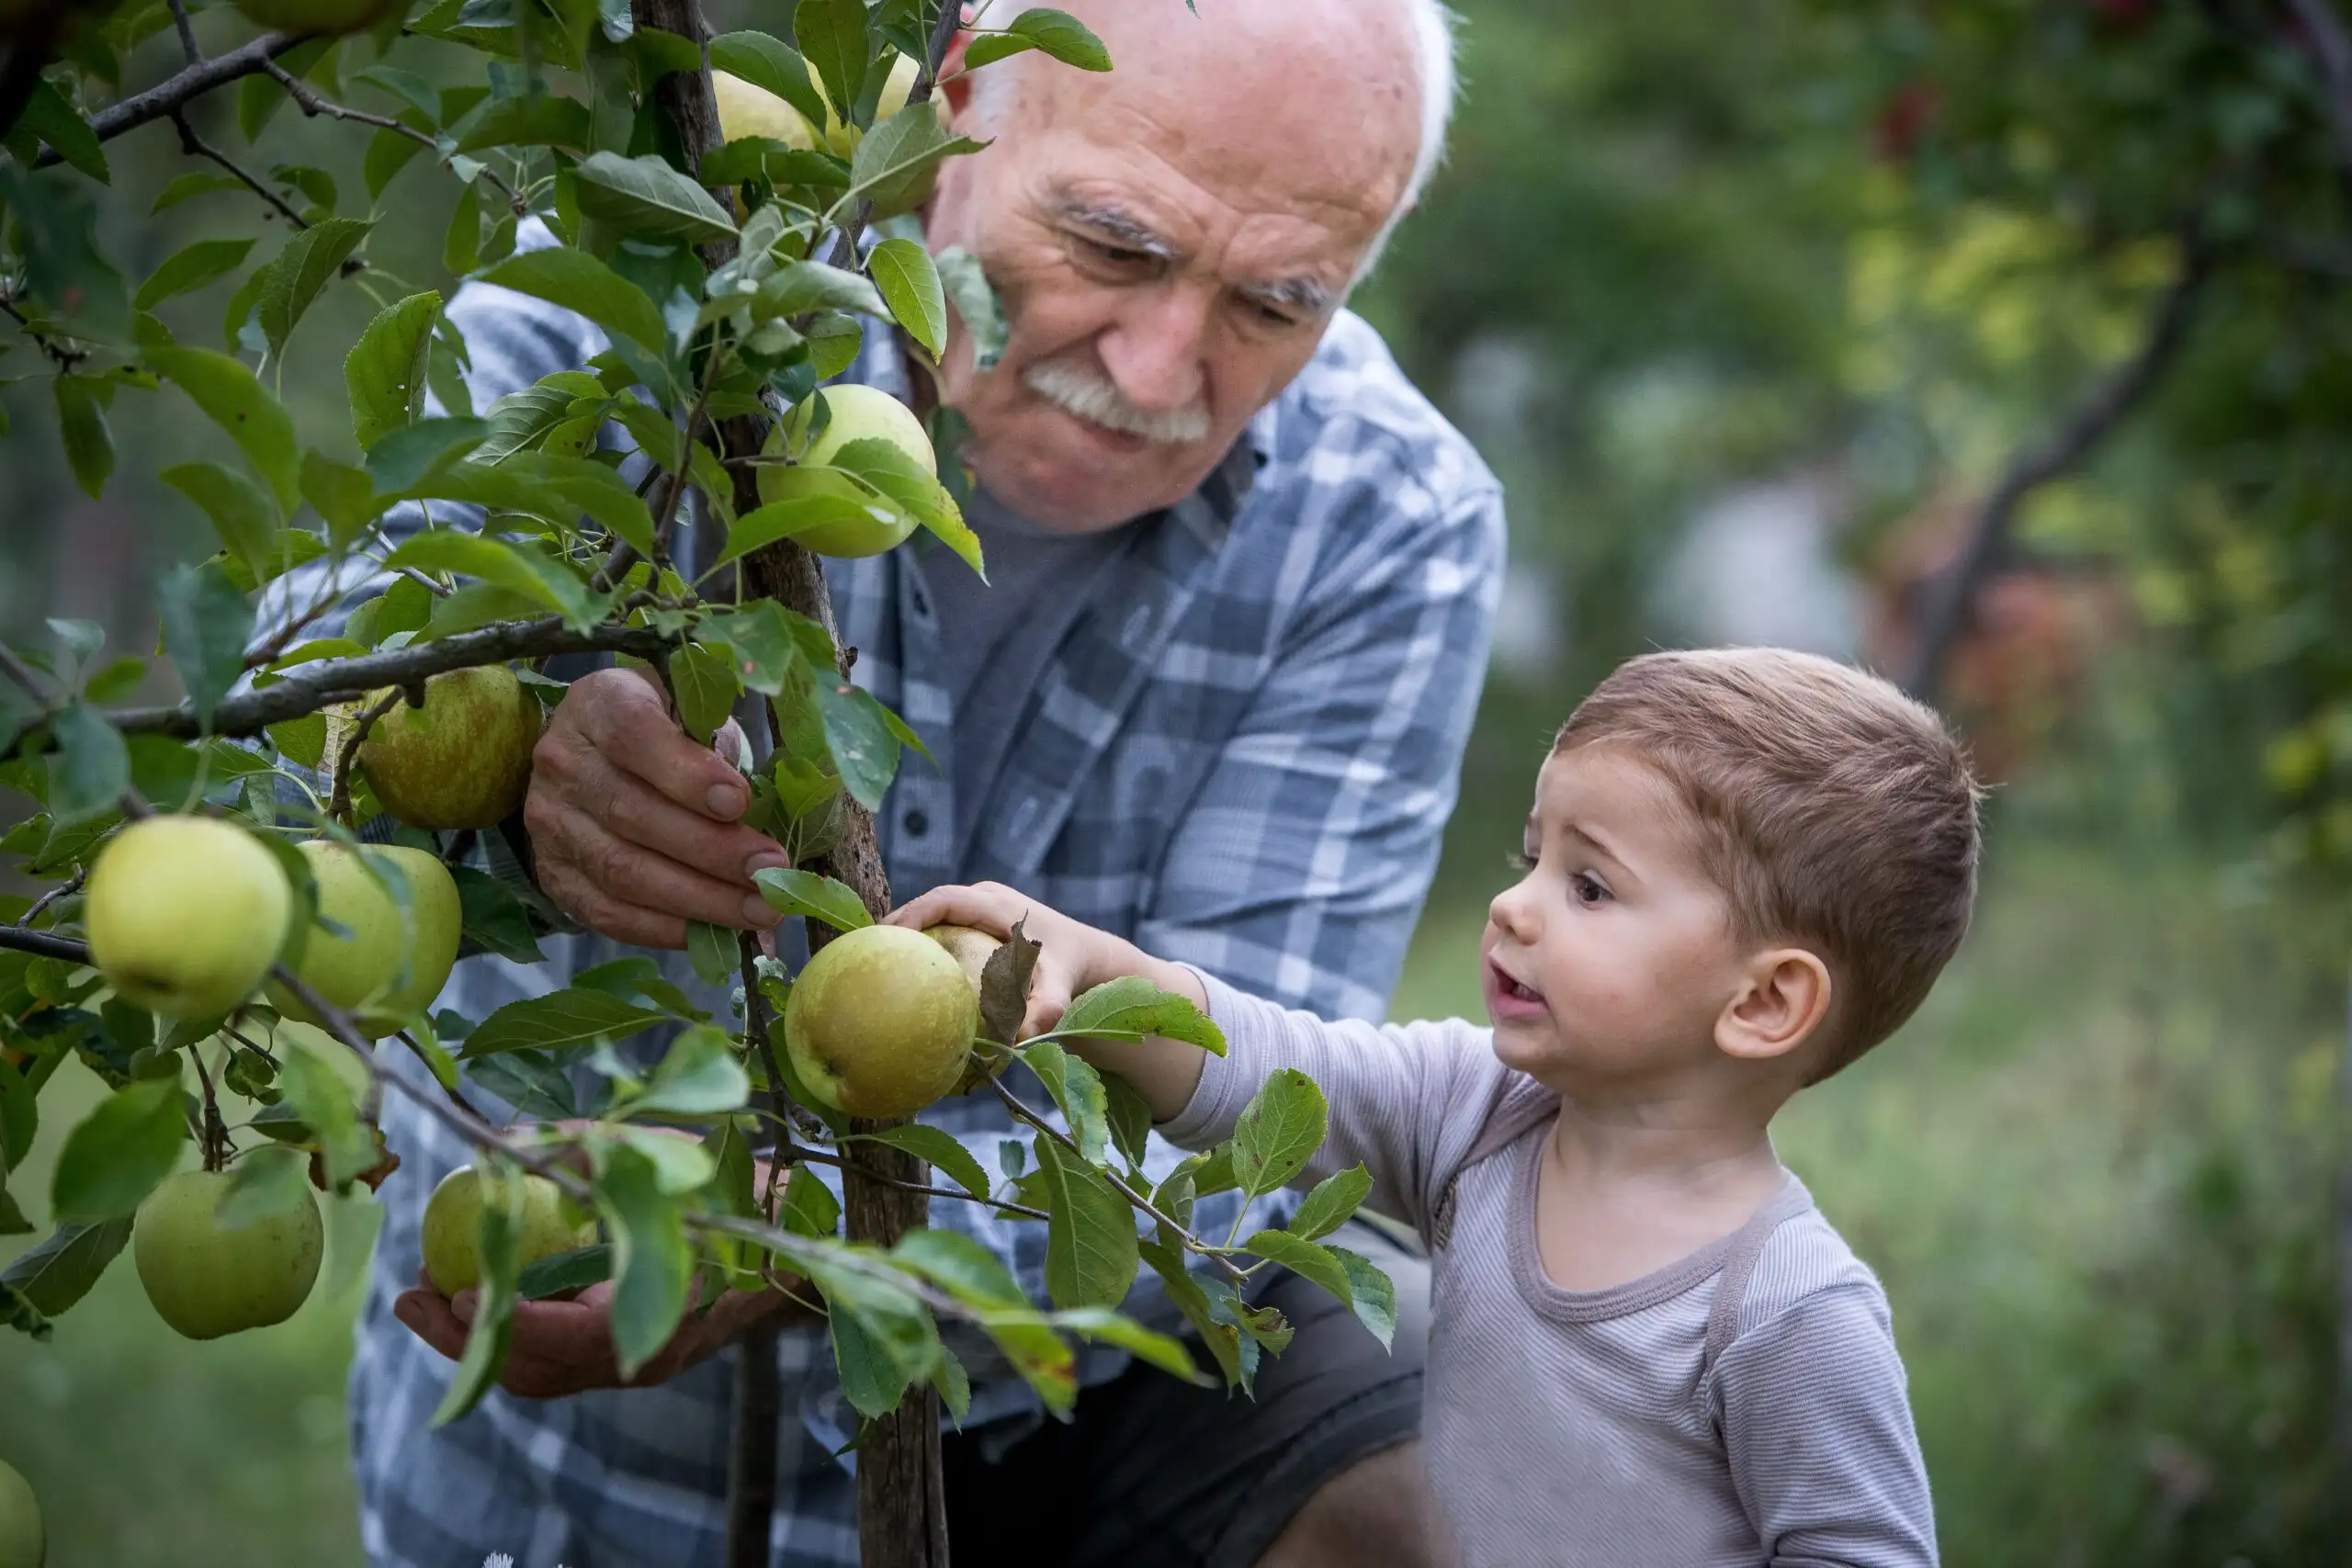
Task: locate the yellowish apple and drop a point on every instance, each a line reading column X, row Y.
column 452, row 1229
column 206, row 1280
column 461, row 761
column 879, row 1022
column 184, row 915
column 857, row 413
column 970, row 946
column 23, row 1543
column 747, row 110
column 385, row 965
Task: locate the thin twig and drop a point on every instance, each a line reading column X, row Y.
column 309, row 100
column 196, row 147
column 47, row 945
column 819, row 1157
column 187, row 32
column 63, row 358
column 41, row 905
column 339, row 800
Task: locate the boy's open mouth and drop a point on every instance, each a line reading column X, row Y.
column 1512, row 988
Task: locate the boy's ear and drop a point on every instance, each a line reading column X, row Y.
column 1782, row 998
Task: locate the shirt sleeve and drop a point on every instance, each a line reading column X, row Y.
column 1298, row 869
column 1817, row 1420
column 1406, row 1099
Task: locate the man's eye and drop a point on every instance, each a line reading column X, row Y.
column 1115, row 255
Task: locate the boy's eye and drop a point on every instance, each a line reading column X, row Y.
column 1588, row 889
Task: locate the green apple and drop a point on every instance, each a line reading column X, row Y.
column 385, row 965
column 185, row 914
column 207, row 1280
column 461, row 761
column 21, row 1538
column 314, row 15
column 858, row 414
column 746, row 110
column 453, row 1228
column 879, row 1022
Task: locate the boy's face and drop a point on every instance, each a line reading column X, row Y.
column 1611, row 960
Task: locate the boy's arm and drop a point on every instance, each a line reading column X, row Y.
column 1402, row 1099
column 1817, row 1424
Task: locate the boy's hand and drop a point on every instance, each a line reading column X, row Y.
column 1073, row 958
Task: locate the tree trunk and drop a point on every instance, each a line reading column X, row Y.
column 901, row 1517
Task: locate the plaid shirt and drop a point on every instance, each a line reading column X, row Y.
column 1241, row 756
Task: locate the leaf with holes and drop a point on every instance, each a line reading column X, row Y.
column 384, row 372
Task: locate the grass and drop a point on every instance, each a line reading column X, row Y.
column 2094, row 1174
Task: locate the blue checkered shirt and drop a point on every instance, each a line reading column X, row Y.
column 1241, row 756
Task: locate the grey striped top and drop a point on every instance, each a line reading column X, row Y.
column 1744, row 1405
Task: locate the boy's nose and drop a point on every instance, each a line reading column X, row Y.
column 1513, row 912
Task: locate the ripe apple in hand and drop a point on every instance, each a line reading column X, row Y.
column 185, row 915
column 207, row 1280
column 858, row 414
column 970, row 946
column 453, row 1228
column 21, row 1538
column 879, row 1022
column 391, row 965
column 461, row 761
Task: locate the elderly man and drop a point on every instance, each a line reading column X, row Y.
column 1216, row 700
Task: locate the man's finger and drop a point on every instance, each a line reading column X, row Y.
column 630, row 872
column 629, row 723
column 632, row 924
column 426, row 1314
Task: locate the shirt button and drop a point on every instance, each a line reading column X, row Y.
column 915, row 823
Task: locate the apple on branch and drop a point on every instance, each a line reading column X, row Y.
column 880, row 1021
column 364, row 954
column 206, row 1279
column 463, row 760
column 856, row 413
column 185, row 914
column 453, row 1228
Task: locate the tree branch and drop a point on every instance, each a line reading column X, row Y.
column 310, row 687
column 195, row 146
column 308, row 99
column 1952, row 592
column 46, row 943
column 173, row 93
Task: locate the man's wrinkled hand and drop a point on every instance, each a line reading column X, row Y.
column 635, row 829
column 560, row 1348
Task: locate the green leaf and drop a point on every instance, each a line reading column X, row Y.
column 61, row 1269
column 1078, row 1089
column 1133, row 1005
column 48, row 116
column 936, row 1147
column 1279, row 1130
column 295, row 276
column 647, row 197
column 871, row 1380
column 767, row 63
column 320, row 1098
column 407, row 454
column 1145, row 1344
column 187, row 186
column 1304, row 1258
column 119, row 1152
column 494, row 918
column 704, row 685
column 1130, row 1116
column 235, row 400
column 1221, row 1339
column 898, row 155
column 530, row 1081
column 539, row 120
column 572, row 1016
column 712, row 951
column 384, row 372
column 825, row 501
column 387, row 154
column 884, row 467
column 579, row 282
column 831, row 34
column 82, row 419
column 902, row 270
column 498, row 1243
column 565, row 1273
column 798, row 892
column 515, row 567
column 207, row 624
column 1332, row 1204
column 344, row 497
column 797, row 287
column 55, row 224
column 1056, row 33
column 651, row 1258
column 1371, row 1293
column 863, row 745
column 809, row 1207
column 698, row 1075
column 271, row 1179
column 960, row 1266
column 961, row 276
column 680, row 1165
column 1091, row 1250
column 191, row 269
column 242, row 514
column 91, row 769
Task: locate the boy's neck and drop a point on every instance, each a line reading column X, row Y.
column 1670, row 1145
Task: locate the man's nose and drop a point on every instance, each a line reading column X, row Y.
column 1154, row 351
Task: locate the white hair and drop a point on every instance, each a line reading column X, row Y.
column 1431, row 23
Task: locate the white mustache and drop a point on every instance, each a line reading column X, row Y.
column 1090, row 395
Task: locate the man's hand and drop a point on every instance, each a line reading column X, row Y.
column 560, row 1348
column 636, row 829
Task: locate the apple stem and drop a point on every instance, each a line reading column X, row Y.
column 213, row 1141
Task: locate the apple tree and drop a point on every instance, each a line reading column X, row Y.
column 242, row 897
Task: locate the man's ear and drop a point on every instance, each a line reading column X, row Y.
column 1782, row 998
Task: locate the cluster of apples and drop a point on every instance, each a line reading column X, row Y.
column 186, row 916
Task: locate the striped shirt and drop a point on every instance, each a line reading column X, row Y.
column 1242, row 753
column 1742, row 1406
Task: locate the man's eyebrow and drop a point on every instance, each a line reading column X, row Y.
column 1118, row 224
column 1305, row 295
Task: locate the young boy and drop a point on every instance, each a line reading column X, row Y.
column 1744, row 869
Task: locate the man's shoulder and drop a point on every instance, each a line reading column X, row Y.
column 1352, row 417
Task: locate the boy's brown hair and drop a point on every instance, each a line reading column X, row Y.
column 1834, row 812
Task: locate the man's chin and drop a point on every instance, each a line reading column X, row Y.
column 1072, row 484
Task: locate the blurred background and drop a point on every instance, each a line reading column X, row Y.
column 1754, row 304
